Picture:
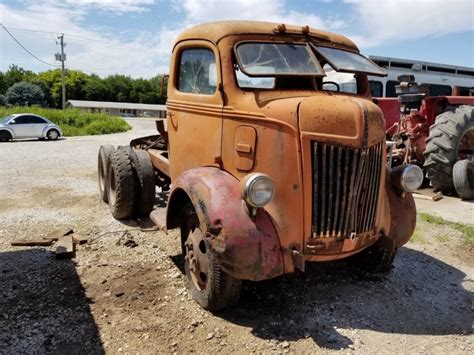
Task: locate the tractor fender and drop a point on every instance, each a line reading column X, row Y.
column 402, row 213
column 247, row 248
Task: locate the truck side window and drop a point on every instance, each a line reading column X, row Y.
column 194, row 71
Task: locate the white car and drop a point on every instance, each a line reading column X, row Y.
column 28, row 125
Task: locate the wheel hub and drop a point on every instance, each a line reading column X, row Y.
column 198, row 258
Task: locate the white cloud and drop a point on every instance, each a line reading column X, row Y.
column 107, row 54
column 114, row 6
column 399, row 20
column 257, row 10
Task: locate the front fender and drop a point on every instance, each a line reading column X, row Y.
column 48, row 127
column 402, row 213
column 246, row 248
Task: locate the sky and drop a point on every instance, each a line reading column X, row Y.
column 135, row 37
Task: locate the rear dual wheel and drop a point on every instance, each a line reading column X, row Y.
column 126, row 181
column 103, row 162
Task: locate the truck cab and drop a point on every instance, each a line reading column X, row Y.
column 276, row 156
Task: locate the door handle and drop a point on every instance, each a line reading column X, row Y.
column 173, row 119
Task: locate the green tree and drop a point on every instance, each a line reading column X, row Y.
column 3, row 102
column 15, row 74
column 25, row 94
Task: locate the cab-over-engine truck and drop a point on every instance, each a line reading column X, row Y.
column 269, row 166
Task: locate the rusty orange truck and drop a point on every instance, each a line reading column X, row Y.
column 270, row 162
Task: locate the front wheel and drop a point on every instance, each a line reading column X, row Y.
column 211, row 287
column 52, row 134
column 376, row 259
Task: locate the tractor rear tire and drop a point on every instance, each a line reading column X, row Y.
column 463, row 178
column 105, row 153
column 442, row 146
column 122, row 185
column 146, row 191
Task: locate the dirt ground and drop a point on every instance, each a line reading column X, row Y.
column 125, row 291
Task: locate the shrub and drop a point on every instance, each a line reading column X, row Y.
column 74, row 122
column 25, row 94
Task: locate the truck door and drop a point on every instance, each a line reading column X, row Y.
column 194, row 107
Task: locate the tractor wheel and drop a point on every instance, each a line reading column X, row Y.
column 121, row 185
column 463, row 178
column 451, row 139
column 211, row 287
column 376, row 259
column 105, row 153
column 146, row 181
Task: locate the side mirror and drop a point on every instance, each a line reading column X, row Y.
column 12, row 121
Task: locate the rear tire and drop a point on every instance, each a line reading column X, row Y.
column 121, row 185
column 463, row 178
column 211, row 287
column 146, row 191
column 103, row 162
column 5, row 136
column 442, row 145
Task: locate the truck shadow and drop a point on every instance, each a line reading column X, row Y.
column 43, row 306
column 422, row 296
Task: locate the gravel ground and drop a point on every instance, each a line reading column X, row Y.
column 125, row 290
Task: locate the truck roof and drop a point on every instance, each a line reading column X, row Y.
column 215, row 31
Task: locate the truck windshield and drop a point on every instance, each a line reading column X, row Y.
column 345, row 61
column 276, row 59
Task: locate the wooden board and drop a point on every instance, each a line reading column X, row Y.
column 58, row 233
column 32, row 243
column 65, row 247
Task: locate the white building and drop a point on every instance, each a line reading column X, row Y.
column 124, row 109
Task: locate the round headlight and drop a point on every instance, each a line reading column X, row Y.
column 412, row 178
column 258, row 190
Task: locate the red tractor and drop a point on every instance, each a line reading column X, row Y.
column 435, row 133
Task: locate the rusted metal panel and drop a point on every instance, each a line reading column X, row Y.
column 160, row 161
column 245, row 140
column 247, row 248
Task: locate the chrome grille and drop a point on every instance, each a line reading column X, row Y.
column 345, row 189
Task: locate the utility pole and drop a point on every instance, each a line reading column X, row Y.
column 61, row 57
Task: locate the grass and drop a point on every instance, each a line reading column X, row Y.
column 466, row 231
column 417, row 237
column 74, row 122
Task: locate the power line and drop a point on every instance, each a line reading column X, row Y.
column 76, row 37
column 27, row 50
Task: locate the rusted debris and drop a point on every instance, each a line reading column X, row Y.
column 158, row 217
column 437, row 197
column 65, row 247
column 79, row 239
column 58, row 233
column 32, row 243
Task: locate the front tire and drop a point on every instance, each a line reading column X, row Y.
column 376, row 259
column 209, row 286
column 52, row 134
column 451, row 137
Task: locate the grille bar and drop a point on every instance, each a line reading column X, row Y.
column 345, row 189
